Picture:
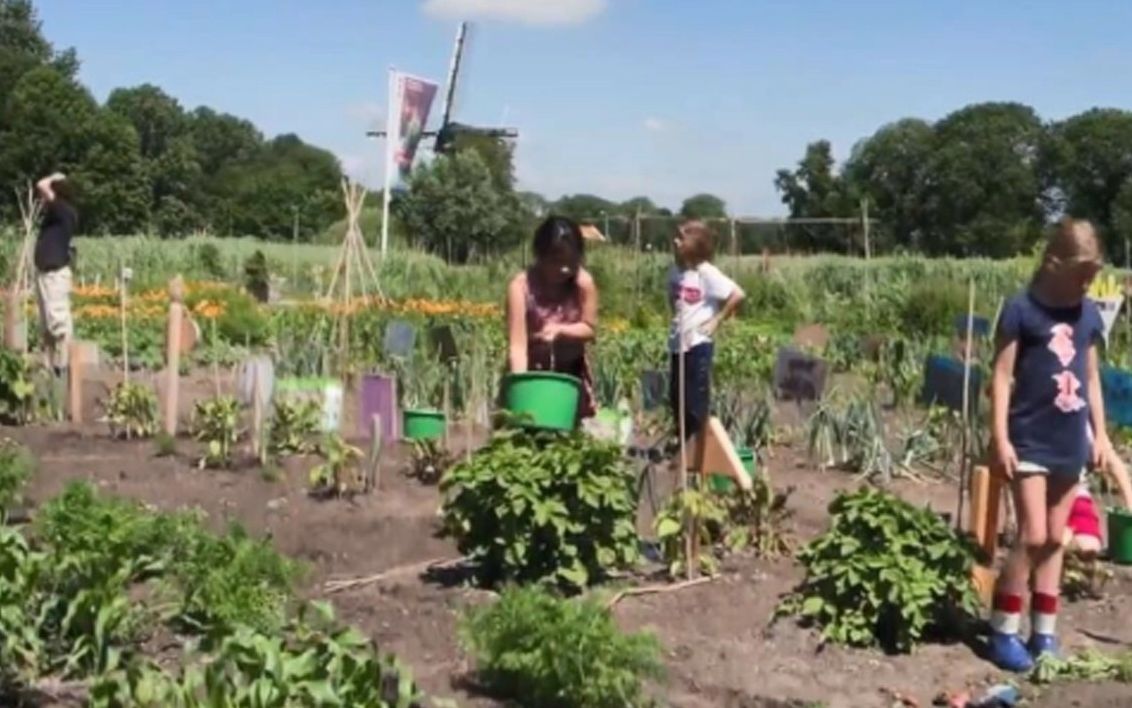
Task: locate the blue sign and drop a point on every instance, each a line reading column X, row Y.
column 1116, row 388
column 943, row 383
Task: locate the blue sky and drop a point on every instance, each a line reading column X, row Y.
column 614, row 97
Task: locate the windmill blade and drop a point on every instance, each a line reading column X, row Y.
column 453, row 74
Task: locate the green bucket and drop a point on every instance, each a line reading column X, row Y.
column 422, row 424
column 723, row 484
column 548, row 400
column 1120, row 535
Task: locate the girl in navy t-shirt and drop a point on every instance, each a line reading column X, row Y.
column 1047, row 346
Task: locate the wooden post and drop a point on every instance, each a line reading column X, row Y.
column 74, row 382
column 15, row 336
column 964, row 460
column 865, row 228
column 123, row 281
column 986, row 502
column 173, row 353
column 373, row 478
column 258, row 448
column 447, row 406
column 690, row 556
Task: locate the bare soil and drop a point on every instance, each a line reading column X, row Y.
column 720, row 647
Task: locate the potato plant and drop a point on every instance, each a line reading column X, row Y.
column 543, row 507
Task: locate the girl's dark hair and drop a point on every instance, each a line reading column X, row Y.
column 557, row 233
column 64, row 190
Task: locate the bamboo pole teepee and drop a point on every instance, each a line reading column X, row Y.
column 19, row 286
column 354, row 274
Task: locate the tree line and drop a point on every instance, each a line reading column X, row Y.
column 140, row 161
column 984, row 180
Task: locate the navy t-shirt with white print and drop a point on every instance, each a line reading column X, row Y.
column 1049, row 407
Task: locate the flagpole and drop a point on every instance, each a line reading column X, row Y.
column 392, row 132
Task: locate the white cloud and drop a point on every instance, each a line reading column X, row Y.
column 654, row 125
column 527, row 12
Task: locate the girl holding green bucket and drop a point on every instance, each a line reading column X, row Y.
column 552, row 310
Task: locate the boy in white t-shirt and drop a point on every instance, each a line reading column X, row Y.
column 701, row 298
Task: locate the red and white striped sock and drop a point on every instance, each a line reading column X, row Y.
column 1006, row 617
column 1043, row 614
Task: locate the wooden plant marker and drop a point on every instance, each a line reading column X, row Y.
column 75, row 382
column 715, row 452
column 986, row 501
column 173, row 353
column 373, row 466
column 259, row 450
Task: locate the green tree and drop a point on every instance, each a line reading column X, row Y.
column 814, row 190
column 703, row 206
column 221, row 139
column 453, row 208
column 582, row 207
column 115, row 192
column 1086, row 161
column 45, row 126
column 156, row 116
column 498, row 154
column 887, row 168
column 982, row 193
column 23, row 47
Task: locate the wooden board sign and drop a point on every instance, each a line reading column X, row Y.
column 799, row 376
column 943, row 383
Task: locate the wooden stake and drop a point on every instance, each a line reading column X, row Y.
column 122, row 284
column 964, row 466
column 173, row 354
column 258, row 448
column 447, row 406
column 74, row 383
column 373, row 476
column 690, row 566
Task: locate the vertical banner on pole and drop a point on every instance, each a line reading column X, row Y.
column 410, row 100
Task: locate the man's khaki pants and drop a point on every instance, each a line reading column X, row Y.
column 53, row 290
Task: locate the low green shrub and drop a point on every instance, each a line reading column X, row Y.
column 540, row 650
column 540, row 506
column 885, row 574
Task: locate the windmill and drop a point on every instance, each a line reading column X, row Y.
column 445, row 136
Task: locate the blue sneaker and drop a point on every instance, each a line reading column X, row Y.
column 1043, row 644
column 1008, row 653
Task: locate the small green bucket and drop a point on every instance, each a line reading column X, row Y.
column 1120, row 535
column 723, row 484
column 548, row 400
column 422, row 424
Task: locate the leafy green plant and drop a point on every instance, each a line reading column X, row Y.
column 257, row 279
column 704, row 515
column 757, row 518
column 17, row 388
column 886, row 573
column 16, row 467
column 1089, row 665
column 541, row 506
column 131, row 411
column 313, row 662
column 430, row 460
column 216, row 423
column 541, row 650
column 294, row 424
column 337, row 472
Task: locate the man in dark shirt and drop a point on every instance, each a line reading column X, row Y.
column 53, row 267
